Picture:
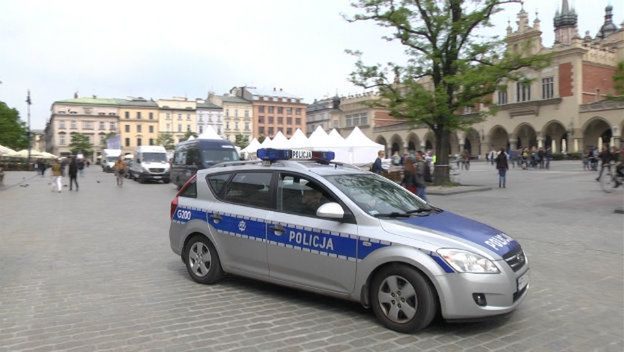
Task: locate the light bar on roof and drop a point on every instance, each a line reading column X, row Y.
column 270, row 154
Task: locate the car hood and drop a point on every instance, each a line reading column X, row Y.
column 446, row 223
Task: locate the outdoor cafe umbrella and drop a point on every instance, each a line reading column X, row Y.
column 4, row 150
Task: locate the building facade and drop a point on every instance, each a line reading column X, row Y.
column 273, row 111
column 177, row 116
column 562, row 107
column 93, row 117
column 357, row 110
column 237, row 116
column 138, row 123
column 325, row 113
column 209, row 114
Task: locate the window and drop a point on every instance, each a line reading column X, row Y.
column 280, row 120
column 298, row 121
column 179, row 127
column 112, row 127
column 246, row 113
column 151, row 141
column 127, row 128
column 151, row 115
column 523, row 92
column 179, row 117
column 298, row 111
column 87, row 125
column 61, row 125
column 168, row 127
column 270, row 131
column 236, row 113
column 151, row 129
column 270, row 119
column 548, row 87
column 188, row 117
column 289, row 131
column 188, row 128
column 250, row 188
column 360, row 119
column 201, row 129
column 127, row 142
column 289, row 120
column 261, row 108
column 139, row 129
column 246, row 126
column 289, row 111
column 138, row 115
column 168, row 116
column 217, row 182
column 127, row 114
column 236, row 126
column 260, row 119
column 73, row 125
column 502, row 97
column 139, row 141
column 261, row 130
column 102, row 126
column 190, row 189
column 300, row 196
column 227, row 125
column 271, row 109
column 62, row 139
column 280, row 110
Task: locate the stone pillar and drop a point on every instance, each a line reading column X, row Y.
column 577, row 143
column 540, row 141
column 553, row 146
column 513, row 143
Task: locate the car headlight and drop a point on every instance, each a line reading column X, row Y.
column 468, row 262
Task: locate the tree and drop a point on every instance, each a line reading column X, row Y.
column 618, row 81
column 105, row 139
column 241, row 141
column 188, row 135
column 80, row 144
column 166, row 139
column 261, row 138
column 13, row 131
column 449, row 66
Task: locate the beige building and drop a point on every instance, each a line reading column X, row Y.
column 177, row 116
column 237, row 115
column 138, row 123
column 93, row 117
column 562, row 108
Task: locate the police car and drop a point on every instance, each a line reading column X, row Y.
column 334, row 229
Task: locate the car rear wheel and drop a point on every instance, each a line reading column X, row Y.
column 202, row 261
column 402, row 298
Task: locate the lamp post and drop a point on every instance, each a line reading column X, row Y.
column 28, row 103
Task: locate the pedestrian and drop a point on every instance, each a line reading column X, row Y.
column 605, row 157
column 72, row 171
column 376, row 168
column 41, row 166
column 409, row 175
column 502, row 166
column 81, row 166
column 548, row 156
column 57, row 176
column 421, row 185
column 120, row 169
column 540, row 157
column 492, row 156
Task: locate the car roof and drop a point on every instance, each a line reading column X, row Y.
column 304, row 166
column 206, row 143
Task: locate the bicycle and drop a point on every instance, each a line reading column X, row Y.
column 610, row 180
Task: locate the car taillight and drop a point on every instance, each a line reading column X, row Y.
column 174, row 205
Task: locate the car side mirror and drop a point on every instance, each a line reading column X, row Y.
column 330, row 210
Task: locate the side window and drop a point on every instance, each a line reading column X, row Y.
column 250, row 188
column 190, row 189
column 217, row 182
column 180, row 157
column 300, row 196
column 192, row 156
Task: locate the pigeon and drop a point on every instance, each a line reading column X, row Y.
column 26, row 185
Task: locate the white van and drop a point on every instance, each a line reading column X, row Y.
column 150, row 164
column 109, row 156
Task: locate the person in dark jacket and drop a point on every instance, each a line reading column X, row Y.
column 73, row 173
column 502, row 166
column 409, row 175
column 376, row 168
column 605, row 157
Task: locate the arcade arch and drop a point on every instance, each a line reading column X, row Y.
column 595, row 132
column 526, row 136
column 499, row 138
column 554, row 136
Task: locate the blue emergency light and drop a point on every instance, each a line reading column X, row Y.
column 270, row 154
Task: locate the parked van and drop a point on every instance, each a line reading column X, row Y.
column 150, row 164
column 109, row 156
column 198, row 154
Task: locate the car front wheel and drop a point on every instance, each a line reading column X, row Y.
column 402, row 298
column 202, row 261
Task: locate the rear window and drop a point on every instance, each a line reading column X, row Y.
column 217, row 182
column 215, row 156
column 250, row 188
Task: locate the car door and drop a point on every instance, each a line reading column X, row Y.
column 304, row 249
column 239, row 220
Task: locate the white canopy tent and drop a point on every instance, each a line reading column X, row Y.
column 253, row 146
column 363, row 149
column 5, row 150
column 279, row 141
column 266, row 143
column 209, row 133
column 318, row 138
column 336, row 143
column 298, row 140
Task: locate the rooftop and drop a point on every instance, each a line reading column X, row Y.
column 91, row 101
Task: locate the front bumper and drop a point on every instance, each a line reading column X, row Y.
column 503, row 292
column 147, row 176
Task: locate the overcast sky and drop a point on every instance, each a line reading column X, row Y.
column 160, row 49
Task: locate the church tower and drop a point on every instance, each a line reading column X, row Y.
column 525, row 39
column 565, row 25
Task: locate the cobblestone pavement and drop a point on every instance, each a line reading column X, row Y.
column 92, row 271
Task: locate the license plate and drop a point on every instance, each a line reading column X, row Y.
column 523, row 281
column 157, row 176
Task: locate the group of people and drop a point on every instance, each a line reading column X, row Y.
column 416, row 172
column 73, row 166
column 607, row 158
column 525, row 157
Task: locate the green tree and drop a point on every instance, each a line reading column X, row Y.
column 80, row 144
column 618, row 80
column 166, row 139
column 241, row 141
column 261, row 138
column 448, row 67
column 188, row 135
column 13, row 131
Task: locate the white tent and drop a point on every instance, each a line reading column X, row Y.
column 298, row 140
column 4, row 150
column 191, row 138
column 318, row 138
column 279, row 141
column 339, row 146
column 364, row 150
column 266, row 143
column 253, row 146
column 209, row 133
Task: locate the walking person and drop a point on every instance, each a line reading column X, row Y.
column 57, row 176
column 120, row 169
column 502, row 165
column 421, row 185
column 409, row 175
column 605, row 157
column 72, row 171
column 376, row 168
column 81, row 165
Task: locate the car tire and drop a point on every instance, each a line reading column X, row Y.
column 402, row 298
column 202, row 261
column 165, row 181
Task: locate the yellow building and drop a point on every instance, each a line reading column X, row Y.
column 138, row 123
column 177, row 116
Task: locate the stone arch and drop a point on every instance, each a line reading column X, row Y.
column 596, row 130
column 396, row 144
column 526, row 136
column 555, row 133
column 499, row 138
column 430, row 141
column 413, row 142
column 381, row 140
column 472, row 142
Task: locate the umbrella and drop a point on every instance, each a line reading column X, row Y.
column 4, row 150
column 23, row 154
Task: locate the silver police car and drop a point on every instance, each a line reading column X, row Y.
column 334, row 229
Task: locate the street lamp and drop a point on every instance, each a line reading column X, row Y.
column 28, row 102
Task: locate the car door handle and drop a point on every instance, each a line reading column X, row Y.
column 277, row 229
column 216, row 218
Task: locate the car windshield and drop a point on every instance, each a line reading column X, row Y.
column 214, row 156
column 379, row 196
column 154, row 157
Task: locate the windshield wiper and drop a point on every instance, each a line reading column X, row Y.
column 394, row 214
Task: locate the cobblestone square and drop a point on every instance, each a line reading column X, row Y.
column 92, row 271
